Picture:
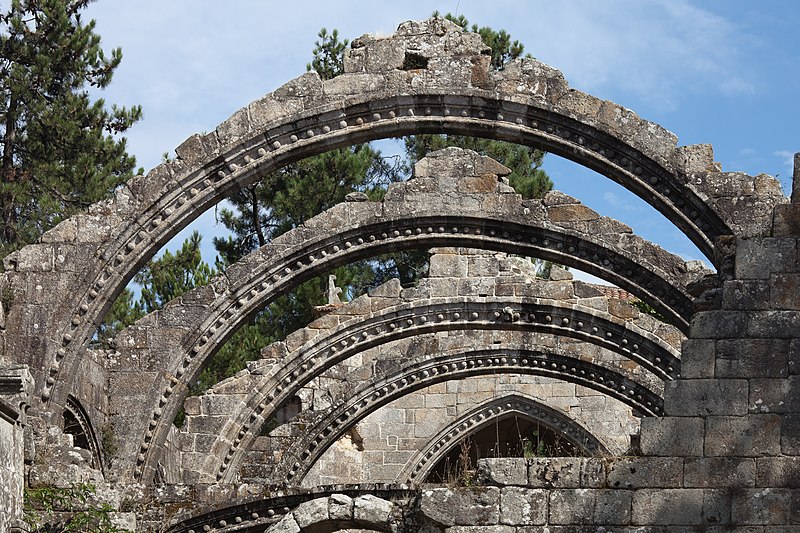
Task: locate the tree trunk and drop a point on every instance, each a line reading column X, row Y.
column 8, row 234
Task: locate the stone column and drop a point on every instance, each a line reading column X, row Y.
column 16, row 386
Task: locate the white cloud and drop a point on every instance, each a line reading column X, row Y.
column 191, row 63
column 787, row 159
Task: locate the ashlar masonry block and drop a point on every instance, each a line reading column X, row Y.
column 700, row 397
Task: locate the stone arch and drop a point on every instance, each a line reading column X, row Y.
column 339, row 511
column 375, row 314
column 78, row 424
column 377, row 508
column 233, row 441
column 590, row 242
column 527, row 101
column 300, row 457
column 487, row 215
column 473, row 421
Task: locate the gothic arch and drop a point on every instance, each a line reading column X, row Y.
column 300, row 457
column 208, row 316
column 526, row 102
column 497, row 221
column 326, row 347
column 487, row 413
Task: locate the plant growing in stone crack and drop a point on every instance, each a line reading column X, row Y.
column 56, row 509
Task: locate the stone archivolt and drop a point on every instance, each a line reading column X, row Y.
column 389, row 313
column 450, row 201
column 722, row 453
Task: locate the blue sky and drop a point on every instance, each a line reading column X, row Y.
column 724, row 72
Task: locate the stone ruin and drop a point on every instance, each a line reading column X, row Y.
column 691, row 423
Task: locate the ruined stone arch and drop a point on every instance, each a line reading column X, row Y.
column 78, row 424
column 526, row 102
column 368, row 322
column 209, row 315
column 409, row 218
column 310, row 359
column 319, row 435
column 377, row 508
column 724, row 455
column 487, row 413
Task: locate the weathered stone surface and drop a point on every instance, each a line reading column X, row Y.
column 464, row 506
column 668, row 507
column 761, row 506
column 719, row 472
column 645, row 472
column 312, row 512
column 735, row 397
column 555, row 472
column 668, row 436
column 372, row 511
column 694, row 397
column 745, row 436
column 522, row 506
column 503, row 471
column 778, row 472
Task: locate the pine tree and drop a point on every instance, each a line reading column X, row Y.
column 60, row 149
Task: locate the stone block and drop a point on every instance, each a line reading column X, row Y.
column 743, row 436
column 772, row 324
column 774, row 395
column 718, row 324
column 672, row 437
column 311, row 512
column 790, row 434
column 503, row 471
column 612, row 507
column 784, row 291
column 463, row 506
column 590, row 506
column 622, row 309
column 372, row 511
column 571, row 506
column 571, row 213
column 448, row 265
column 668, row 507
column 696, row 397
column 340, row 507
column 752, row 358
column 554, row 472
column 697, row 358
column 786, row 220
column 287, row 524
column 593, row 473
column 522, row 506
column 645, row 472
column 719, row 472
column 778, row 472
column 716, row 507
column 758, row 258
column 744, row 295
column 761, row 506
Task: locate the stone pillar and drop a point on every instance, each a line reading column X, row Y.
column 796, row 179
column 16, row 387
